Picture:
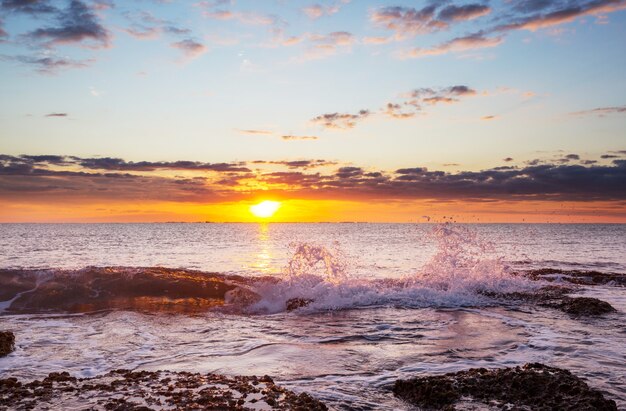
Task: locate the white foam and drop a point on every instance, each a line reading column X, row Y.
column 458, row 274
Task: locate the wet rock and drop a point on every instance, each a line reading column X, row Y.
column 577, row 276
column 147, row 390
column 150, row 289
column 295, row 303
column 582, row 306
column 530, row 387
column 557, row 297
column 7, row 343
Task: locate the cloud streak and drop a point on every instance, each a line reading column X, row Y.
column 316, row 11
column 341, row 121
column 530, row 15
column 601, row 111
column 474, row 41
column 415, row 102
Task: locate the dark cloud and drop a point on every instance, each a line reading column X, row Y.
column 433, row 17
column 49, row 65
column 408, row 21
column 305, row 164
column 33, row 7
column 57, row 115
column 51, row 159
column 508, row 159
column 340, row 120
column 75, row 24
column 536, row 14
column 415, row 102
column 464, row 12
column 108, row 163
column 58, row 177
column 528, row 15
column 435, row 96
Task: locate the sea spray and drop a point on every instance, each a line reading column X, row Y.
column 460, row 273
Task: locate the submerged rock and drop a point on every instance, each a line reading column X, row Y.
column 146, row 390
column 7, row 343
column 530, row 387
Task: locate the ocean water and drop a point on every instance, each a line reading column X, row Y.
column 386, row 301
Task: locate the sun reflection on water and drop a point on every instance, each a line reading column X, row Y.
column 263, row 258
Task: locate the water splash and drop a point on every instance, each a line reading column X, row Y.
column 313, row 262
column 460, row 273
column 463, row 262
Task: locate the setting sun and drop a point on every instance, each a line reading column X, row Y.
column 265, row 209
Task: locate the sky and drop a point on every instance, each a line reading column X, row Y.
column 381, row 111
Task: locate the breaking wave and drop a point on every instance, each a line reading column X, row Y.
column 462, row 272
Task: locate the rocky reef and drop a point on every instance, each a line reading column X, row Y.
column 578, row 277
column 557, row 297
column 530, row 387
column 7, row 343
column 146, row 390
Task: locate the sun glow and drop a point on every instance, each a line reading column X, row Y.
column 265, row 209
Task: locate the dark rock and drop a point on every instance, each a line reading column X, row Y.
column 146, row 390
column 557, row 297
column 105, row 288
column 295, row 303
column 7, row 343
column 582, row 306
column 532, row 386
column 577, row 276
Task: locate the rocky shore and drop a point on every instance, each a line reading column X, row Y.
column 530, row 387
column 145, row 390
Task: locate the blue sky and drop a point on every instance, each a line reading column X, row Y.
column 448, row 85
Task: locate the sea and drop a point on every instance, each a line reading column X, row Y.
column 369, row 303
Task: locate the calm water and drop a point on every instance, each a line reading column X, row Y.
column 391, row 300
column 253, row 249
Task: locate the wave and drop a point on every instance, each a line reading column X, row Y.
column 462, row 272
